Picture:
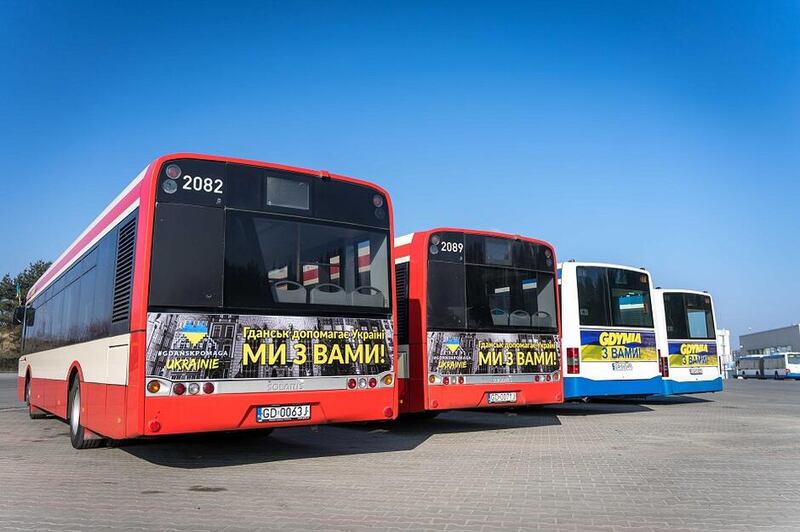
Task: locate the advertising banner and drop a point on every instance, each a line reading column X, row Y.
column 618, row 346
column 225, row 346
column 693, row 354
column 472, row 353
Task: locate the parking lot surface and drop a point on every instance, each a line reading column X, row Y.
column 727, row 461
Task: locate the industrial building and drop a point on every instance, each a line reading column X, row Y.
column 772, row 341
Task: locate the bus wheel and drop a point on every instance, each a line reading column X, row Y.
column 77, row 434
column 33, row 412
column 776, row 375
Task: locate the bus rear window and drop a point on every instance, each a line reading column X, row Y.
column 273, row 262
column 496, row 284
column 205, row 257
column 675, row 314
column 503, row 297
column 614, row 297
column 689, row 316
column 630, row 298
column 700, row 317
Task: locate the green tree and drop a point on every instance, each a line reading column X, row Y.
column 8, row 289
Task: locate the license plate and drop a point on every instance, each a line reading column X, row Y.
column 503, row 397
column 695, row 371
column 265, row 414
column 622, row 366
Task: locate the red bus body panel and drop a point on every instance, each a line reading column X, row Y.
column 416, row 393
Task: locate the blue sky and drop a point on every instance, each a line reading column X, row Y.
column 660, row 134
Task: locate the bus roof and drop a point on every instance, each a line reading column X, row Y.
column 683, row 291
column 406, row 239
column 605, row 265
column 128, row 200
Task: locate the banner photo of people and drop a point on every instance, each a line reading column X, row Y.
column 693, row 354
column 618, row 346
column 474, row 353
column 184, row 346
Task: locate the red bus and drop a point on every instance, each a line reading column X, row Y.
column 478, row 321
column 217, row 294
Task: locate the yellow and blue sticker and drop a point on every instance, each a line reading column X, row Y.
column 618, row 346
column 194, row 332
column 693, row 354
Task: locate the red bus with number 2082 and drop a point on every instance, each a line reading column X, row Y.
column 217, row 294
column 477, row 321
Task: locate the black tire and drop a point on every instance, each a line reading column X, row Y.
column 776, row 375
column 77, row 434
column 33, row 412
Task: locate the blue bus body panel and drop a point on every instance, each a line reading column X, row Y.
column 672, row 387
column 793, row 375
column 576, row 387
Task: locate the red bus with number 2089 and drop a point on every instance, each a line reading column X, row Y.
column 217, row 294
column 477, row 321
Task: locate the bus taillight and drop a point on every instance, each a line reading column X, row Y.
column 208, row 387
column 663, row 365
column 573, row 361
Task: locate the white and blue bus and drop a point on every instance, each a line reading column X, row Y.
column 781, row 366
column 687, row 341
column 609, row 338
column 750, row 366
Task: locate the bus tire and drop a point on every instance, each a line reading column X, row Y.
column 78, row 435
column 33, row 412
column 776, row 375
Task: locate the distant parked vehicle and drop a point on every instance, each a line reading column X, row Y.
column 687, row 341
column 774, row 366
column 781, row 366
column 750, row 366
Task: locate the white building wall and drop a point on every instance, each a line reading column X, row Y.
column 724, row 352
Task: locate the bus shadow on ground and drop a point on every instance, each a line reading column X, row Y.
column 671, row 400
column 198, row 451
column 586, row 409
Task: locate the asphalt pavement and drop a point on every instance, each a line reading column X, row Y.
column 727, row 461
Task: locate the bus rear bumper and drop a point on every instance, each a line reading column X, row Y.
column 673, row 387
column 220, row 412
column 459, row 396
column 579, row 387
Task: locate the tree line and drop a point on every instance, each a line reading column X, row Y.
column 14, row 289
